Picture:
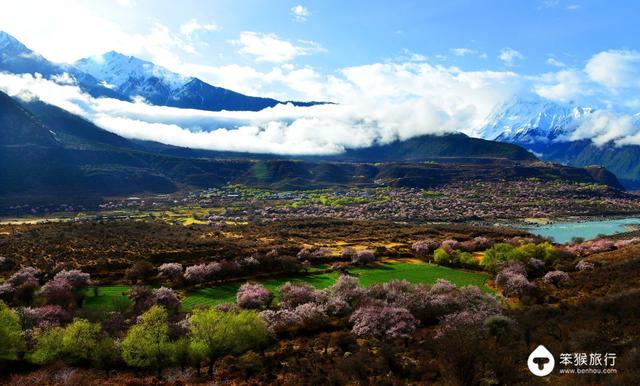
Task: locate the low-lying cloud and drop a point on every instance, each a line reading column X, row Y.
column 375, row 103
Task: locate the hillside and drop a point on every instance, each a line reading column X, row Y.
column 544, row 127
column 429, row 147
column 50, row 154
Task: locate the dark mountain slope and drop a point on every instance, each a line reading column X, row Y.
column 197, row 94
column 74, row 131
column 428, row 147
column 623, row 161
column 70, row 159
column 18, row 127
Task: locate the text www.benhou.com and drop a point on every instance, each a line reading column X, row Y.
column 588, row 371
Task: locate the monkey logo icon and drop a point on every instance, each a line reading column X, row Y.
column 541, row 362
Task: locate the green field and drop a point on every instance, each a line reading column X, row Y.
column 109, row 298
column 414, row 272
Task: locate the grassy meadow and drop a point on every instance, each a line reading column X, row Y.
column 414, row 271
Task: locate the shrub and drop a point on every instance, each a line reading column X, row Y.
column 423, row 248
column 311, row 316
column 517, row 241
column 479, row 243
column 147, row 342
column 450, row 245
column 556, row 278
column 204, row 272
column 482, row 243
column 625, row 242
column 253, row 296
column 140, row 271
column 364, row 257
column 58, row 292
column 226, row 269
column 584, row 265
column 197, row 273
column 512, row 279
column 79, row 341
column 400, row 293
column 21, row 286
column 11, row 343
column 45, row 316
column 586, row 248
column 170, row 270
column 24, row 276
column 536, row 267
column 281, row 321
column 141, row 297
column 347, row 289
column 48, row 347
column 496, row 255
column 465, row 322
column 77, row 279
column 383, row 322
column 467, row 258
column 66, row 286
column 215, row 334
column 336, row 306
column 440, row 256
column 294, row 294
column 6, row 264
column 498, row 326
column 311, row 254
column 471, row 298
column 167, row 298
column 249, row 264
column 348, row 253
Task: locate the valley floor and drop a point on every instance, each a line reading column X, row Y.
column 517, row 202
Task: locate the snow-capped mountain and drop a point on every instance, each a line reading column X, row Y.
column 545, row 128
column 10, row 46
column 135, row 77
column 533, row 121
column 17, row 58
column 124, row 77
column 132, row 77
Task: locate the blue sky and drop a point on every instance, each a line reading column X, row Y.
column 397, row 69
column 360, row 32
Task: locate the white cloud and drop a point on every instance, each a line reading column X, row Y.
column 193, row 25
column 573, row 7
column 124, row 3
column 300, row 13
column 562, row 86
column 555, row 62
column 604, row 126
column 75, row 30
column 615, row 68
column 378, row 102
column 462, row 51
column 550, row 3
column 270, row 48
column 509, row 56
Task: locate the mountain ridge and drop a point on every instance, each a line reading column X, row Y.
column 74, row 158
column 545, row 128
column 134, row 77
